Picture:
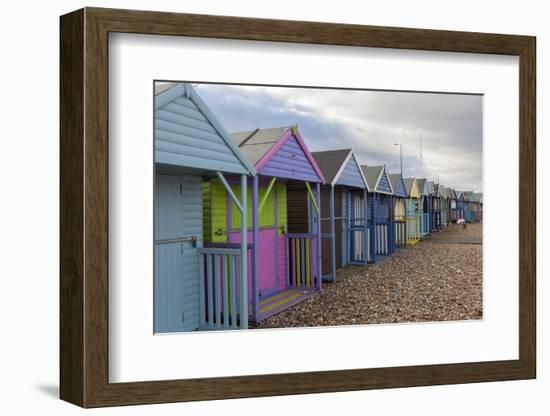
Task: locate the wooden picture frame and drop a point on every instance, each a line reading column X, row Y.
column 84, row 207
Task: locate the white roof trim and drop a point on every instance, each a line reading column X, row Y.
column 383, row 170
column 343, row 166
column 186, row 89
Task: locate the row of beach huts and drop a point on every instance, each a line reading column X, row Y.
column 248, row 224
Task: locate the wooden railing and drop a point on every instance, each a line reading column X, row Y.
column 379, row 236
column 357, row 241
column 400, row 227
column 301, row 249
column 424, row 224
column 435, row 221
column 413, row 228
column 220, row 288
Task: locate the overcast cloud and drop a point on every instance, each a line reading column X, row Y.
column 370, row 122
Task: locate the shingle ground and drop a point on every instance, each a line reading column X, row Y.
column 438, row 279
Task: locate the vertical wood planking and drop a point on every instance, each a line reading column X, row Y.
column 209, row 284
column 202, row 294
column 217, row 294
column 293, row 253
column 225, row 300
column 298, row 264
column 244, row 259
column 287, row 260
column 255, row 250
column 333, row 234
column 233, row 290
column 318, row 253
column 307, row 243
column 303, row 262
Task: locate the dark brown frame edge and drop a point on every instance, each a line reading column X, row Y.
column 84, row 209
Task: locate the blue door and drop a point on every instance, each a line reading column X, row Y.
column 178, row 234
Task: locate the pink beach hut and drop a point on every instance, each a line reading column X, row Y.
column 284, row 267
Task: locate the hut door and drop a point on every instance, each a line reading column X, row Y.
column 357, row 227
column 178, row 229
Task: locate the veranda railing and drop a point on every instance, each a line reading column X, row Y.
column 301, row 270
column 220, row 288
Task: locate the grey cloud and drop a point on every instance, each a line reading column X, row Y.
column 370, row 122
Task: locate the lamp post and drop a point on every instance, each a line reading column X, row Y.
column 400, row 156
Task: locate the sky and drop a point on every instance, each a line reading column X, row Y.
column 449, row 126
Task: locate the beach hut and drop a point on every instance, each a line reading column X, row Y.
column 478, row 197
column 343, row 211
column 413, row 210
column 477, row 206
column 468, row 202
column 424, row 205
column 399, row 211
column 453, row 210
column 435, row 211
column 444, row 199
column 460, row 205
column 190, row 289
column 285, row 265
column 380, row 207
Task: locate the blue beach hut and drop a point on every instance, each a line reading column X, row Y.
column 190, row 145
column 424, row 207
column 399, row 209
column 343, row 211
column 379, row 205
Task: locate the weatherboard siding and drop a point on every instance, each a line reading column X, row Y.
column 351, row 175
column 281, row 208
column 384, row 184
column 345, row 226
column 400, row 189
column 178, row 213
column 290, row 162
column 185, row 138
column 218, row 212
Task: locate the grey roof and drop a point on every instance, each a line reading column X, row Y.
column 421, row 183
column 160, row 88
column 431, row 187
column 256, row 143
column 372, row 173
column 452, row 193
column 330, row 162
column 408, row 185
column 394, row 179
column 467, row 195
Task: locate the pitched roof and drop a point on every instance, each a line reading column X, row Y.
column 431, row 187
column 261, row 146
column 256, row 143
column 181, row 117
column 340, row 167
column 395, row 179
column 452, row 193
column 161, row 87
column 330, row 162
column 408, row 184
column 421, row 183
column 467, row 195
column 372, row 173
